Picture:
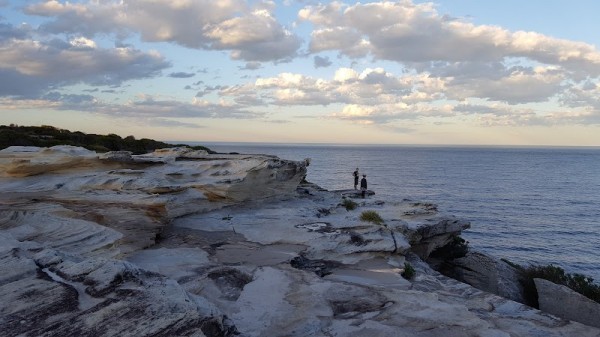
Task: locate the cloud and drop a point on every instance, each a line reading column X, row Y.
column 146, row 109
column 587, row 94
column 515, row 85
column 416, row 33
column 254, row 37
column 250, row 34
column 322, row 62
column 505, row 115
column 8, row 31
column 369, row 87
column 387, row 113
column 148, row 106
column 251, row 66
column 181, row 75
column 162, row 122
column 378, row 97
column 35, row 65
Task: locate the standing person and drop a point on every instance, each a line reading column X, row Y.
column 355, row 178
column 363, row 185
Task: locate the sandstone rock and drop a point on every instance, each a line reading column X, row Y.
column 74, row 297
column 486, row 273
column 563, row 302
column 434, row 234
column 23, row 161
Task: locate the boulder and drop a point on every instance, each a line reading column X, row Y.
column 434, row 233
column 563, row 302
column 486, row 273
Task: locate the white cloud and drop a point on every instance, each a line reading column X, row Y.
column 518, row 85
column 33, row 66
column 369, row 87
column 251, row 35
column 417, row 33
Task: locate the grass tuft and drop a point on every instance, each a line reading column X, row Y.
column 371, row 216
column 349, row 204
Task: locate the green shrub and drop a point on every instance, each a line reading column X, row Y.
column 349, row 204
column 409, row 272
column 576, row 282
column 371, row 216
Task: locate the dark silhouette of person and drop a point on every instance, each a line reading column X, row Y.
column 363, row 185
column 355, row 178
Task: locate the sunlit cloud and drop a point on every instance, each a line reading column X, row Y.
column 249, row 34
column 387, row 66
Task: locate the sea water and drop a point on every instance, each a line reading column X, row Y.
column 526, row 205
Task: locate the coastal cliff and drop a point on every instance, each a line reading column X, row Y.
column 184, row 243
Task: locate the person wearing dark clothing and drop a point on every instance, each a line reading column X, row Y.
column 363, row 185
column 355, row 178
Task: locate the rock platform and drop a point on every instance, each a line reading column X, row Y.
column 184, row 243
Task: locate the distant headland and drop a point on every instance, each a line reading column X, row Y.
column 47, row 136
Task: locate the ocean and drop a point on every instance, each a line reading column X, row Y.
column 526, row 205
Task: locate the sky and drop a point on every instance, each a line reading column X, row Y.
column 448, row 72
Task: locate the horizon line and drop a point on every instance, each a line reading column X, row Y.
column 378, row 144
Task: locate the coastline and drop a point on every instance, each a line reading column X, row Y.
column 227, row 244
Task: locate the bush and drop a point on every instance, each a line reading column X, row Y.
column 576, row 282
column 371, row 216
column 349, row 204
column 457, row 248
column 409, row 272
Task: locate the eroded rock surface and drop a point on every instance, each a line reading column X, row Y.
column 182, row 243
column 486, row 273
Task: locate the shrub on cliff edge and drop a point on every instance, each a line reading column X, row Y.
column 371, row 216
column 576, row 282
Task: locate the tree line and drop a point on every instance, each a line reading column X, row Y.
column 47, row 136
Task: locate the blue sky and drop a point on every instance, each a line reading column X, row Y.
column 397, row 72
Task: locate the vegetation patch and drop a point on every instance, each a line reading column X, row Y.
column 48, row 136
column 576, row 282
column 357, row 239
column 349, row 204
column 371, row 216
column 457, row 248
column 409, row 272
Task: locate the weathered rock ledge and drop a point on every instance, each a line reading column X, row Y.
column 183, row 243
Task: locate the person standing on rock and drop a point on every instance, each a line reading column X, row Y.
column 355, row 178
column 363, row 185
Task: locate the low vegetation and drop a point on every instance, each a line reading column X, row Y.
column 457, row 248
column 576, row 282
column 47, row 136
column 371, row 216
column 409, row 272
column 349, row 204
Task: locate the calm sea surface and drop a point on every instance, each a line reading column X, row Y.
column 528, row 205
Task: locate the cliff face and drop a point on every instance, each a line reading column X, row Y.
column 184, row 243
